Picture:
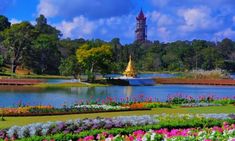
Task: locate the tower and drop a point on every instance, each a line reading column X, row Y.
column 141, row 27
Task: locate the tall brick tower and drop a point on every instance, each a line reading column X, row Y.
column 141, row 27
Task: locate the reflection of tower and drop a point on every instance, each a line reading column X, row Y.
column 128, row 91
column 141, row 27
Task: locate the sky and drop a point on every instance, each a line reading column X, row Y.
column 167, row 20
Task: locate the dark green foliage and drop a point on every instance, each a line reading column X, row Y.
column 18, row 40
column 4, row 23
column 1, row 62
column 45, row 28
column 45, row 54
column 69, row 66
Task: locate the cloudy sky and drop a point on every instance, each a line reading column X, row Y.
column 167, row 20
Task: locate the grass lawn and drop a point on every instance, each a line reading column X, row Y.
column 68, row 85
column 10, row 121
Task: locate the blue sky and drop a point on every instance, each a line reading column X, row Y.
column 167, row 20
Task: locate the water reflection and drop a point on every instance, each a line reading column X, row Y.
column 69, row 96
column 128, row 91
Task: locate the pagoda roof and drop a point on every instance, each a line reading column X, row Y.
column 141, row 16
column 130, row 69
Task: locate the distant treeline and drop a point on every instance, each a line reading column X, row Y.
column 40, row 49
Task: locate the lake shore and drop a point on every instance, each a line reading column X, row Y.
column 183, row 81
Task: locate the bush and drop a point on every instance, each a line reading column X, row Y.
column 212, row 74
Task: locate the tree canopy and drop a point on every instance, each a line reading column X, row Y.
column 41, row 49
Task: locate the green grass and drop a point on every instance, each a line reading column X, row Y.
column 10, row 121
column 65, row 85
column 34, row 76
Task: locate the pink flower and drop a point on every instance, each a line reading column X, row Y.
column 88, row 138
column 131, row 138
column 105, row 134
column 138, row 133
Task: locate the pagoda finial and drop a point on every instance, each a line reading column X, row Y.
column 130, row 69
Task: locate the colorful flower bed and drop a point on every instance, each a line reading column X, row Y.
column 184, row 99
column 48, row 110
column 119, row 125
column 199, row 104
column 224, row 133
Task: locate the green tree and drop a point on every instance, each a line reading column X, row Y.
column 69, row 66
column 1, row 62
column 211, row 59
column 46, row 57
column 4, row 23
column 44, row 28
column 94, row 58
column 226, row 48
column 18, row 39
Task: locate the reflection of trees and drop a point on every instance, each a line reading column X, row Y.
column 89, row 93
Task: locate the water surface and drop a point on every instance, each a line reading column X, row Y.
column 58, row 97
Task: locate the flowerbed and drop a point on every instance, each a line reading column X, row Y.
column 184, row 99
column 23, row 109
column 199, row 104
column 226, row 132
column 78, row 109
column 81, row 128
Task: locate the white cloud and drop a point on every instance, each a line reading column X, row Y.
column 78, row 27
column 164, row 33
column 197, row 19
column 227, row 33
column 92, row 9
column 14, row 21
column 159, row 18
column 106, row 29
column 47, row 8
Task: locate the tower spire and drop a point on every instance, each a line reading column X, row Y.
column 141, row 27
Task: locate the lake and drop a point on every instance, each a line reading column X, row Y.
column 57, row 97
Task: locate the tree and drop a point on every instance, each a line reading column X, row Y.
column 46, row 57
column 69, row 66
column 226, row 47
column 4, row 23
column 1, row 62
column 18, row 39
column 44, row 28
column 211, row 58
column 94, row 57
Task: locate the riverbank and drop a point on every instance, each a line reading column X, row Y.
column 11, row 121
column 183, row 81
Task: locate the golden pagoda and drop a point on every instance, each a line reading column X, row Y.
column 130, row 69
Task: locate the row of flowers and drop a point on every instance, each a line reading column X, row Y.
column 23, row 109
column 77, row 126
column 226, row 132
column 32, row 110
column 185, row 99
column 101, row 107
column 202, row 104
